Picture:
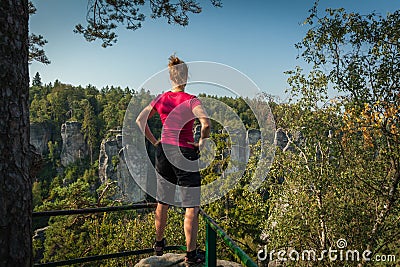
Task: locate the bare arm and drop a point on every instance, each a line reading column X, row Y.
column 205, row 122
column 141, row 121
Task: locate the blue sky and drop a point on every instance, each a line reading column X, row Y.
column 255, row 37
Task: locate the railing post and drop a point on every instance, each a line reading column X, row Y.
column 211, row 246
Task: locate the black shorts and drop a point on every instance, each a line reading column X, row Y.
column 177, row 168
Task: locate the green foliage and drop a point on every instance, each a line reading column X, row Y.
column 36, row 43
column 54, row 152
column 115, row 161
column 77, row 186
column 240, row 213
column 39, row 110
column 37, row 81
column 36, row 51
column 341, row 169
column 113, row 102
column 89, row 127
column 102, row 233
column 37, row 193
column 338, row 176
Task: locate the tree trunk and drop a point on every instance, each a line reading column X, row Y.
column 15, row 182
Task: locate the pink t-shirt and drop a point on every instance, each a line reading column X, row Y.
column 175, row 109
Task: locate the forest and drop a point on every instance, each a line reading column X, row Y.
column 337, row 178
column 77, row 185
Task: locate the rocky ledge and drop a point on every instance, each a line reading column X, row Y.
column 176, row 260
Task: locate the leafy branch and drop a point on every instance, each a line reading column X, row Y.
column 104, row 16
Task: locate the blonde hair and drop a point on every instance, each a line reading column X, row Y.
column 178, row 71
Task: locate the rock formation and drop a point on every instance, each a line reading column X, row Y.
column 74, row 146
column 252, row 137
column 176, row 260
column 109, row 149
column 40, row 135
column 113, row 167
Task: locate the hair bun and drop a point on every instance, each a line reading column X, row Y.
column 178, row 71
column 174, row 60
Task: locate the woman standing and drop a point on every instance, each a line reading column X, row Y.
column 176, row 155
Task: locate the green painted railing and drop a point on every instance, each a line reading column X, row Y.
column 212, row 232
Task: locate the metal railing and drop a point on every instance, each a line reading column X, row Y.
column 212, row 232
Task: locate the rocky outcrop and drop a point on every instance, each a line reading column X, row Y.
column 74, row 146
column 109, row 149
column 113, row 167
column 176, row 260
column 40, row 135
column 252, row 137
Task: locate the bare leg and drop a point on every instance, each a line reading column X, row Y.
column 161, row 220
column 191, row 227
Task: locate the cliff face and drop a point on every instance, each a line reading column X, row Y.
column 113, row 167
column 109, row 148
column 74, row 146
column 41, row 134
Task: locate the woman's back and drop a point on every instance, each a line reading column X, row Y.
column 175, row 110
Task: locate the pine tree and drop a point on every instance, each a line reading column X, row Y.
column 89, row 127
column 15, row 159
column 37, row 81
